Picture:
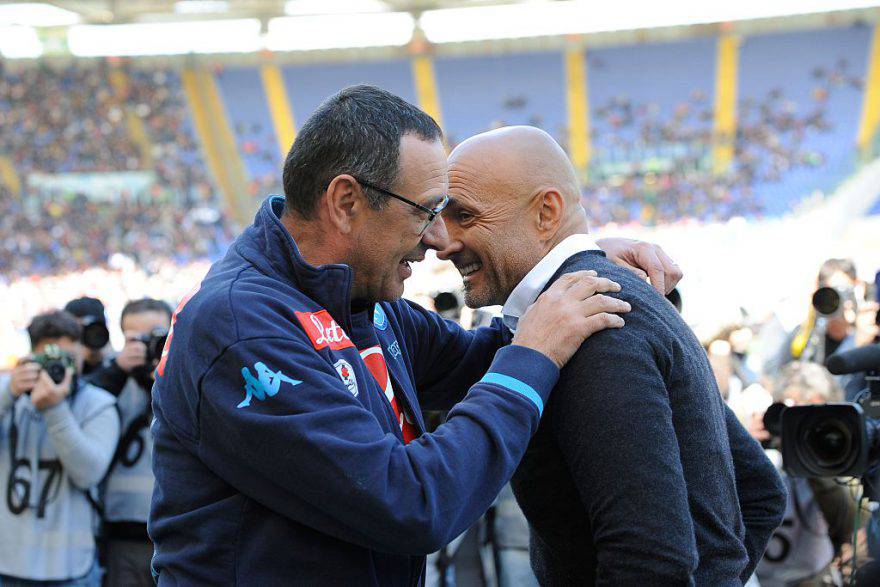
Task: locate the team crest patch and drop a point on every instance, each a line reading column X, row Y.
column 346, row 373
column 380, row 320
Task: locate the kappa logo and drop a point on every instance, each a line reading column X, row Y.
column 380, row 320
column 394, row 350
column 346, row 373
column 323, row 330
column 266, row 384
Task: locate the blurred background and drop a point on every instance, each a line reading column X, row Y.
column 138, row 137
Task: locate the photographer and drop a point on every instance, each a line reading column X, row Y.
column 820, row 513
column 89, row 312
column 57, row 434
column 129, row 485
column 830, row 326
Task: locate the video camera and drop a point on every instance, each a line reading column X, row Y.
column 55, row 362
column 155, row 343
column 838, row 439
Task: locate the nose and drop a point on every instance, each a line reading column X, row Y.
column 453, row 246
column 435, row 236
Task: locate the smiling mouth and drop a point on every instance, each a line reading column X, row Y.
column 469, row 269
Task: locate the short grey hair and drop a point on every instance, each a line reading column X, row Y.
column 810, row 379
column 356, row 131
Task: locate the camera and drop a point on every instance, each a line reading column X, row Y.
column 840, row 439
column 830, row 440
column 94, row 332
column 830, row 301
column 155, row 343
column 54, row 362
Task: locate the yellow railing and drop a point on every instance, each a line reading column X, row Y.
column 579, row 142
column 426, row 87
column 726, row 75
column 218, row 142
column 279, row 107
column 871, row 98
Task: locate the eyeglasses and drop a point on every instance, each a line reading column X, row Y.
column 431, row 212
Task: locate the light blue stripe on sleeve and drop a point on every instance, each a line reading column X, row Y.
column 516, row 385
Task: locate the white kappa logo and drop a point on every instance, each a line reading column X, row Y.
column 346, row 373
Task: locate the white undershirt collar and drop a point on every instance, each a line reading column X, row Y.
column 528, row 290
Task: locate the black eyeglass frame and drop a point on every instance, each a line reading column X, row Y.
column 432, row 213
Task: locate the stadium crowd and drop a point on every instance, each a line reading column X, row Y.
column 72, row 233
column 71, row 119
column 652, row 169
column 63, row 119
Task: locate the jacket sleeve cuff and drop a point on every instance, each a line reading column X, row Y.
column 524, row 371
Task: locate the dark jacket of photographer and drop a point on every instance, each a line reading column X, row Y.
column 639, row 474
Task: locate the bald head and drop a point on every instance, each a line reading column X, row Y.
column 513, row 197
column 524, row 160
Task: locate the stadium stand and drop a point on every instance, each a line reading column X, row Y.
column 808, row 99
column 308, row 85
column 480, row 93
column 797, row 119
column 247, row 109
column 63, row 119
column 75, row 120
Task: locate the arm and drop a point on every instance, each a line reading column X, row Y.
column 314, row 454
column 613, row 423
column 838, row 506
column 447, row 359
column 85, row 451
column 760, row 489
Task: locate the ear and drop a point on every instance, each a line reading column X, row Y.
column 343, row 203
column 551, row 210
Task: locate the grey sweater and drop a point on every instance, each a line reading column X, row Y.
column 638, row 474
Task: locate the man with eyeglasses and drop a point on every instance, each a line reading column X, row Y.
column 289, row 445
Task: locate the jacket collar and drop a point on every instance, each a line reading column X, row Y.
column 268, row 245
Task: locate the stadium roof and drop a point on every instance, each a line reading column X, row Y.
column 92, row 28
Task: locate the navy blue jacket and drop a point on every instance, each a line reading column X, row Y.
column 278, row 459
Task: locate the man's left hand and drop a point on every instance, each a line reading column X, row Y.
column 47, row 393
column 646, row 260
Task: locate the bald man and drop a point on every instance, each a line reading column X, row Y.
column 634, row 473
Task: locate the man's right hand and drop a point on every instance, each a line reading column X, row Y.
column 133, row 354
column 569, row 312
column 24, row 377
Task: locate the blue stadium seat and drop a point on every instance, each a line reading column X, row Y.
column 478, row 93
column 248, row 112
column 309, row 85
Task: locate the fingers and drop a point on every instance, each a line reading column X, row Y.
column 599, row 303
column 588, row 286
column 672, row 270
column 68, row 378
column 569, row 280
column 602, row 321
column 649, row 260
